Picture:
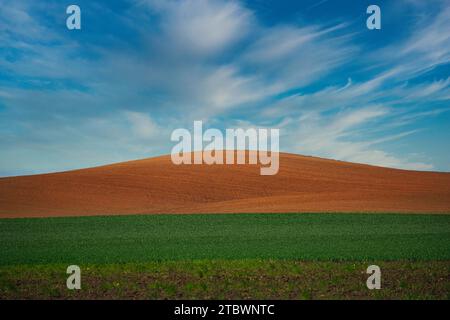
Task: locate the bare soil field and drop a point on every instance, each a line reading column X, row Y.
column 155, row 185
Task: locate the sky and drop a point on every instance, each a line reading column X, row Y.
column 139, row 69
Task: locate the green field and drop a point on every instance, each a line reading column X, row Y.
column 287, row 256
column 122, row 239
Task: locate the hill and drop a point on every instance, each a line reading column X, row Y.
column 155, row 185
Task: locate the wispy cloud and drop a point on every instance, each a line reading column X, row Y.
column 114, row 93
column 343, row 136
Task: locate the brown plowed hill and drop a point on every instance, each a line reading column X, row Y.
column 155, row 185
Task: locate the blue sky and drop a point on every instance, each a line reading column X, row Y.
column 138, row 69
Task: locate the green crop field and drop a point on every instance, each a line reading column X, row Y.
column 121, row 239
column 290, row 256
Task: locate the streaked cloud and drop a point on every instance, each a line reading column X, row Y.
column 115, row 90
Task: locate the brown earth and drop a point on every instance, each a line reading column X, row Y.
column 231, row 279
column 155, row 185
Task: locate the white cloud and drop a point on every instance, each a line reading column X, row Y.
column 142, row 125
column 297, row 56
column 209, row 60
column 205, row 27
column 334, row 137
column 427, row 46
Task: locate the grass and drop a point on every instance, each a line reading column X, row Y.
column 242, row 256
column 230, row 279
column 147, row 238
